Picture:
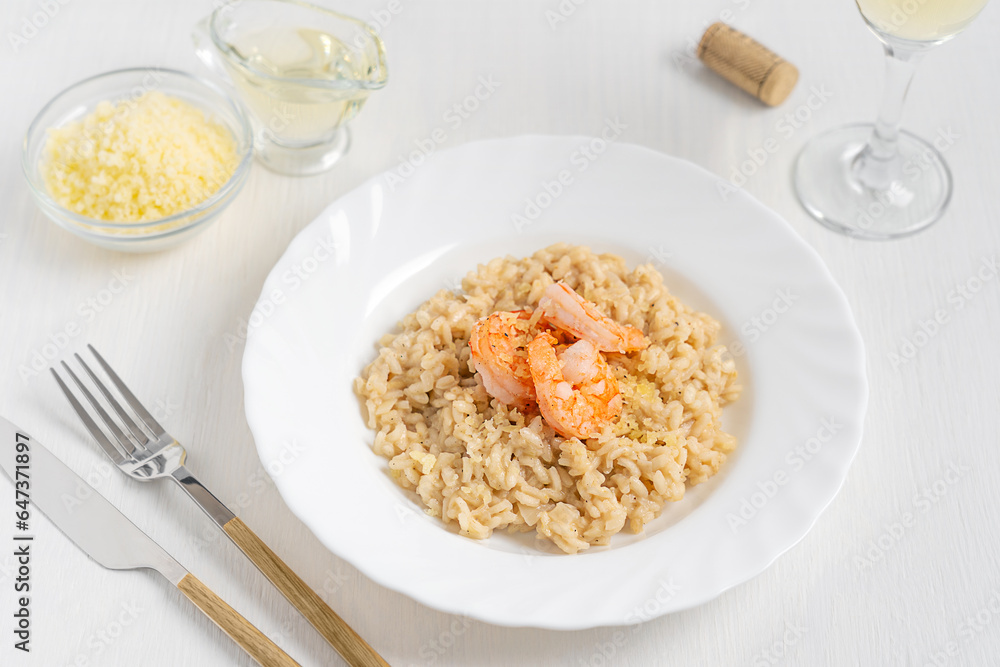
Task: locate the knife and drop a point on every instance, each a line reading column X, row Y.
column 107, row 536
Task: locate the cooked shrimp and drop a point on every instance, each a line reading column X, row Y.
column 577, row 392
column 565, row 309
column 498, row 345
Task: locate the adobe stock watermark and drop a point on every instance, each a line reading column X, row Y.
column 99, row 473
column 666, row 590
column 256, row 484
column 971, row 627
column 777, row 652
column 755, row 327
column 164, row 408
column 579, row 161
column 99, row 641
column 45, row 355
column 929, row 327
column 539, row 548
column 453, row 284
column 921, row 503
column 976, row 623
column 284, row 633
column 405, row 512
column 379, row 20
column 684, row 58
column 453, row 118
column 30, row 26
column 562, row 12
column 292, row 279
column 605, row 652
column 280, row 119
column 902, row 12
column 333, row 581
column 911, row 171
column 784, row 129
column 659, row 256
column 797, row 458
column 438, row 646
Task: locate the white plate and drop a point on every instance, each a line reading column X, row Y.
column 382, row 249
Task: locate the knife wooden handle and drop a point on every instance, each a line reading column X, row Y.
column 346, row 641
column 239, row 629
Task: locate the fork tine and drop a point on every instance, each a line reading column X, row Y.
column 108, row 447
column 140, row 436
column 140, row 410
column 108, row 421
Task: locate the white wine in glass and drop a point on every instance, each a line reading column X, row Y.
column 874, row 180
column 924, row 21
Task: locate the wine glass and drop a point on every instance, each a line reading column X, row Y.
column 876, row 181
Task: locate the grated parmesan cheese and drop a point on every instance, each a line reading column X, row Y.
column 138, row 160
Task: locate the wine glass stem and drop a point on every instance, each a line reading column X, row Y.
column 879, row 164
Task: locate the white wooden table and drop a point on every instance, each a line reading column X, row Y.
column 902, row 569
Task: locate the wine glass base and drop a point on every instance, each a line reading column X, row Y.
column 828, row 188
column 303, row 161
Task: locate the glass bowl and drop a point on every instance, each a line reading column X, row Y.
column 82, row 98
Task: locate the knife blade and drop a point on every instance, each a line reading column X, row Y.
column 81, row 513
column 111, row 539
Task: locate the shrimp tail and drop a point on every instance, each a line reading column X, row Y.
column 564, row 309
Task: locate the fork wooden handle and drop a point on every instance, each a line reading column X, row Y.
column 346, row 641
column 239, row 629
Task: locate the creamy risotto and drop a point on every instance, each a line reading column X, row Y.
column 481, row 462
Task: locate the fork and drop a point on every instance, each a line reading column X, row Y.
column 142, row 449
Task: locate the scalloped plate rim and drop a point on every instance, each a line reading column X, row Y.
column 708, row 592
